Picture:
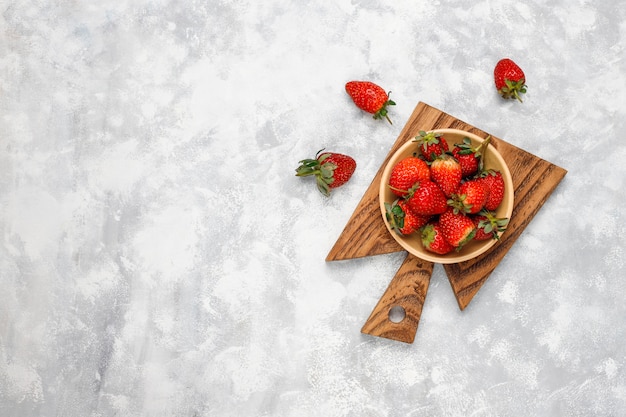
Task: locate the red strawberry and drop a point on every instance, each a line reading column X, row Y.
column 446, row 172
column 426, row 199
column 494, row 181
column 488, row 226
column 406, row 173
column 331, row 170
column 370, row 97
column 470, row 157
column 433, row 240
column 431, row 144
column 470, row 197
column 403, row 220
column 510, row 79
column 457, row 228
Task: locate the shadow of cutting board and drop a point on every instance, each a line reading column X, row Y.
column 365, row 234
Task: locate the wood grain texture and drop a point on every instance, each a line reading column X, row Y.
column 365, row 234
column 408, row 290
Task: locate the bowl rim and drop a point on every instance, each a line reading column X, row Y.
column 452, row 257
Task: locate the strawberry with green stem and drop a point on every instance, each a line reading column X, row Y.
column 469, row 156
column 331, row 170
column 370, row 97
column 401, row 219
column 406, row 172
column 431, row 144
column 470, row 197
column 510, row 80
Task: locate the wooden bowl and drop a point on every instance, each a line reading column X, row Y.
column 412, row 243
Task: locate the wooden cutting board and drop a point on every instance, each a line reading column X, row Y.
column 365, row 234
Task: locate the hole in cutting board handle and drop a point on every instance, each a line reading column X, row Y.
column 397, row 314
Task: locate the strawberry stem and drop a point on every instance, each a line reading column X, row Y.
column 481, row 152
column 382, row 112
column 397, row 189
column 322, row 170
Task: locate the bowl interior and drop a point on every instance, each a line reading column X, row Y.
column 412, row 243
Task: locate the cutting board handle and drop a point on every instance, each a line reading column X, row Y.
column 397, row 314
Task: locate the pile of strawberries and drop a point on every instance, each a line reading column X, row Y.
column 445, row 194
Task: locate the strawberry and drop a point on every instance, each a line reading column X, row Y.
column 426, row 199
column 488, row 226
column 446, row 172
column 403, row 220
column 470, row 157
column 470, row 197
column 406, row 173
column 510, row 79
column 431, row 144
column 457, row 228
column 331, row 170
column 494, row 181
column 433, row 240
column 370, row 97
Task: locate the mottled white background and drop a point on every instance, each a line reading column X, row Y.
column 158, row 257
